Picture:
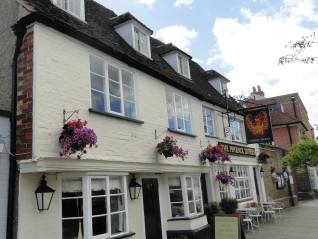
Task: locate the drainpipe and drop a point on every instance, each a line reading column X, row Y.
column 294, row 106
column 290, row 136
column 19, row 32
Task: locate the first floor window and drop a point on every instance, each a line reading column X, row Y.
column 112, row 88
column 236, row 130
column 105, row 198
column 185, row 196
column 208, row 121
column 242, row 182
column 179, row 112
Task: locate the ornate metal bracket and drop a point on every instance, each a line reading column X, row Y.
column 68, row 114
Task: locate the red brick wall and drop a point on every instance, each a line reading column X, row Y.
column 24, row 98
column 281, row 136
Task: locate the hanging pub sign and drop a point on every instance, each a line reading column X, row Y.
column 238, row 150
column 258, row 125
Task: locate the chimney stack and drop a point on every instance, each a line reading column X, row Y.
column 257, row 94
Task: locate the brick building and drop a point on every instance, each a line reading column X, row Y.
column 290, row 122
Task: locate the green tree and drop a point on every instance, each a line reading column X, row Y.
column 303, row 153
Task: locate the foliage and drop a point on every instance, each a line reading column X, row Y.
column 210, row 210
column 229, row 205
column 75, row 137
column 297, row 49
column 213, row 154
column 303, row 153
column 225, row 178
column 262, row 157
column 169, row 148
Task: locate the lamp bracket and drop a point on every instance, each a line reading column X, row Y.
column 68, row 114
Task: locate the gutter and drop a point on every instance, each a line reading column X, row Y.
column 19, row 32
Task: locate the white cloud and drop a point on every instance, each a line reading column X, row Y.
column 179, row 35
column 179, row 3
column 251, row 49
column 148, row 3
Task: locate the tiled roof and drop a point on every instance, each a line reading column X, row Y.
column 98, row 31
column 280, row 118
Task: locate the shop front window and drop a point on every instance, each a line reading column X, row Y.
column 242, row 183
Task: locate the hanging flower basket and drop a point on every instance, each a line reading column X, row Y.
column 213, row 154
column 225, row 178
column 75, row 138
column 169, row 148
column 262, row 157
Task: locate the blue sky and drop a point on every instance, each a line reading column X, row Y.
column 242, row 39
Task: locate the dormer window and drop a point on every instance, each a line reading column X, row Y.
column 183, row 66
column 74, row 7
column 141, row 42
column 220, row 85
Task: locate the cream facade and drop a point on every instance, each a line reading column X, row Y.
column 61, row 81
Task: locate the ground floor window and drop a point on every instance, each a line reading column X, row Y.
column 242, row 182
column 104, row 199
column 223, row 188
column 185, row 196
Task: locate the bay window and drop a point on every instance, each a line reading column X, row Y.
column 105, row 201
column 112, row 89
column 75, row 7
column 236, row 130
column 179, row 114
column 185, row 196
column 208, row 121
column 242, row 182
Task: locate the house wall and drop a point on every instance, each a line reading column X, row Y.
column 282, row 138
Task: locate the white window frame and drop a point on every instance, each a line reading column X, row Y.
column 180, row 66
column 185, row 198
column 87, row 206
column 59, row 3
column 106, row 92
column 224, row 191
column 175, row 110
column 205, row 121
column 242, row 174
column 235, row 135
column 135, row 41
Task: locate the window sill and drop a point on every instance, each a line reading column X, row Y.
column 182, row 133
column 244, row 200
column 129, row 234
column 211, row 136
column 185, row 218
column 116, row 116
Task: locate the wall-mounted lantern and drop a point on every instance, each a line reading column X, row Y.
column 44, row 195
column 134, row 188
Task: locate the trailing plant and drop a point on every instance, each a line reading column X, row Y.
column 169, row 148
column 229, row 205
column 75, row 138
column 225, row 178
column 262, row 157
column 213, row 154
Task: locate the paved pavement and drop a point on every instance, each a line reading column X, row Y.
column 300, row 222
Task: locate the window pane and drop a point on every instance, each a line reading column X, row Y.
column 130, row 109
column 174, row 183
column 127, row 79
column 116, row 185
column 97, row 65
column 72, row 229
column 176, row 196
column 177, row 210
column 115, row 104
column 113, row 73
column 170, row 108
column 188, row 127
column 98, row 101
column 72, row 208
column 189, row 182
column 99, row 206
column 198, row 206
column 99, row 225
column 98, row 186
column 129, row 94
column 191, row 207
column 117, row 203
column 97, row 82
column 118, row 222
column 72, row 188
column 180, row 123
column 114, row 88
column 190, row 195
column 75, row 7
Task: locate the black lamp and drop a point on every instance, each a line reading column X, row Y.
column 262, row 172
column 134, row 188
column 44, row 195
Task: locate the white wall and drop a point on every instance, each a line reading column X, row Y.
column 4, row 174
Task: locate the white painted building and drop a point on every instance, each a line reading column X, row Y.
column 132, row 104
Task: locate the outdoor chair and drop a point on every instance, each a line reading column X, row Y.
column 268, row 213
column 247, row 220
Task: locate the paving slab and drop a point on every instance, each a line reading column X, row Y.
column 300, row 222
